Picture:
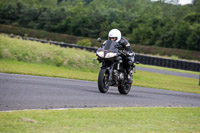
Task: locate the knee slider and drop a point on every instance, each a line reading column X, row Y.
column 130, row 62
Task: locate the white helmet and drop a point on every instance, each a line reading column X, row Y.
column 115, row 33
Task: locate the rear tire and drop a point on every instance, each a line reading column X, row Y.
column 103, row 82
column 124, row 89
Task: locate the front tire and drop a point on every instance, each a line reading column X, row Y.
column 124, row 89
column 103, row 81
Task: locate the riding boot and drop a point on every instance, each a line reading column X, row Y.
column 130, row 71
column 130, row 80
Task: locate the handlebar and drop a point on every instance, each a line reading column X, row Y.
column 122, row 52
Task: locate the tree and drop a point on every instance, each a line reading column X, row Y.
column 140, row 21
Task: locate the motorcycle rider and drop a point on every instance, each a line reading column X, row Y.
column 115, row 35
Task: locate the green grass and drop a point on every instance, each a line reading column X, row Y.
column 12, row 66
column 102, row 120
column 140, row 78
column 36, row 52
column 163, row 81
column 29, row 51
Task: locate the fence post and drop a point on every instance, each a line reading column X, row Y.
column 199, row 78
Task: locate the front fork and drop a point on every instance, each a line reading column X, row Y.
column 109, row 69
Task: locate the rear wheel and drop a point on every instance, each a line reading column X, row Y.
column 103, row 81
column 124, row 89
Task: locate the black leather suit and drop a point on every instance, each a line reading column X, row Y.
column 130, row 55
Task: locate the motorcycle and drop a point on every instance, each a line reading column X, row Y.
column 113, row 70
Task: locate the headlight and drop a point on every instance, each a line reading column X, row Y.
column 100, row 53
column 110, row 55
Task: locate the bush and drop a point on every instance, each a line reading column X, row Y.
column 84, row 42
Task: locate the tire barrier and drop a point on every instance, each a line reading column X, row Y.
column 170, row 63
column 143, row 59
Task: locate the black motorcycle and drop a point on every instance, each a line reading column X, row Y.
column 113, row 70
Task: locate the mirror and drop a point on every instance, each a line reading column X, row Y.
column 99, row 39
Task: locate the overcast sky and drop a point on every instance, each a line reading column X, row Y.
column 182, row 2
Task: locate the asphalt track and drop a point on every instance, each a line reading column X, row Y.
column 20, row 92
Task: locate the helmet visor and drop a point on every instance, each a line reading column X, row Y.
column 113, row 38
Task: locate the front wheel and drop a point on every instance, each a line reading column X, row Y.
column 124, row 89
column 103, row 81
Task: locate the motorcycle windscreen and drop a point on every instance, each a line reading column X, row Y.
column 110, row 45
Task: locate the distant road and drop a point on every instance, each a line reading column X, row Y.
column 188, row 75
column 19, row 92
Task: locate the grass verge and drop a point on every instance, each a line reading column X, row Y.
column 18, row 67
column 44, row 53
column 140, row 78
column 98, row 120
column 30, row 51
